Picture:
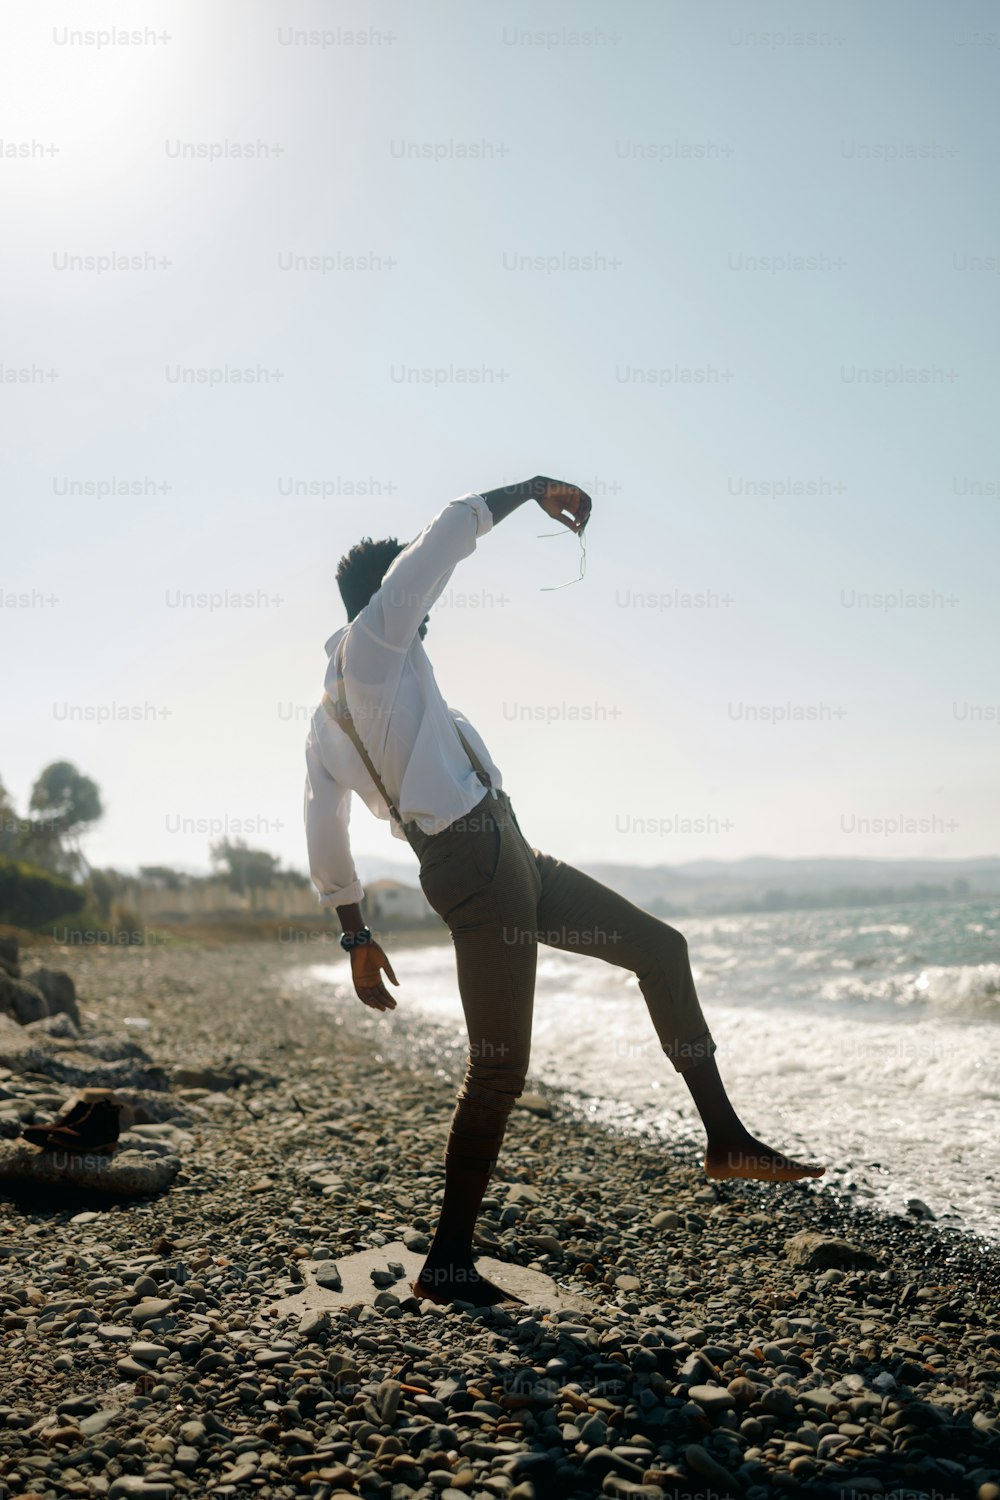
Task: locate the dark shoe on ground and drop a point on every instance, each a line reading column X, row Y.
column 85, row 1124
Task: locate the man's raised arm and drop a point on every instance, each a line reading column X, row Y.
column 553, row 495
column 417, row 576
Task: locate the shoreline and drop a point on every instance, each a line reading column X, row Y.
column 711, row 1359
column 848, row 1181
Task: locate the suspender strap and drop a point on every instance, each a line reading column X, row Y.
column 340, row 712
column 477, row 764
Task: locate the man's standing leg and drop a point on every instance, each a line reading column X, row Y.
column 493, row 925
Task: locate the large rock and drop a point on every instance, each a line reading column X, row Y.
column 221, row 1078
column 535, row 1104
column 148, row 1106
column 818, row 1252
column 59, row 1025
column 216, row 1080
column 8, row 957
column 129, row 1174
column 11, row 1036
column 21, row 1001
column 94, row 1063
column 58, row 989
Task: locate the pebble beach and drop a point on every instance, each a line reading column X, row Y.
column 742, row 1339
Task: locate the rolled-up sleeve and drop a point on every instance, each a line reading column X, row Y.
column 417, row 576
column 327, row 815
column 484, row 516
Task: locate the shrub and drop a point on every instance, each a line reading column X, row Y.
column 90, row 928
column 30, row 897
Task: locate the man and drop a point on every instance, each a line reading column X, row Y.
column 385, row 732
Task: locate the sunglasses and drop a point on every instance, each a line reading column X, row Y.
column 547, row 588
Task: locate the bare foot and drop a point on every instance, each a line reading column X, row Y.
column 459, row 1281
column 750, row 1158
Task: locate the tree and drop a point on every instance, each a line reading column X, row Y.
column 104, row 886
column 67, row 797
column 246, row 869
column 10, row 824
column 63, row 802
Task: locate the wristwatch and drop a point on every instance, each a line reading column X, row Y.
column 349, row 940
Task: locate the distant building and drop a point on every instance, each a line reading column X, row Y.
column 160, row 895
column 393, row 903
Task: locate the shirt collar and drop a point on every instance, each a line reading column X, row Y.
column 331, row 644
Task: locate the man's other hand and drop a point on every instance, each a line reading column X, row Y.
column 367, row 963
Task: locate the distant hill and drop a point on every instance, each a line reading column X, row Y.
column 767, row 883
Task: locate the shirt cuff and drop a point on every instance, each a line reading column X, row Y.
column 484, row 516
column 348, row 896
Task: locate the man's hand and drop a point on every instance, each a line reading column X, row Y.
column 555, row 497
column 367, row 963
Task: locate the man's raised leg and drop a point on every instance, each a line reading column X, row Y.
column 579, row 914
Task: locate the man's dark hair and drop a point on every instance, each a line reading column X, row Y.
column 360, row 571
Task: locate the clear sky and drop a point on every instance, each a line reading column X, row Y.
column 675, row 253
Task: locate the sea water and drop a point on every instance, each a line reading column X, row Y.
column 866, row 1039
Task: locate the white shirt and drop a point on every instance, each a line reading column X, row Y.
column 403, row 721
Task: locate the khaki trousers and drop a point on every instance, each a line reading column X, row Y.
column 500, row 897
